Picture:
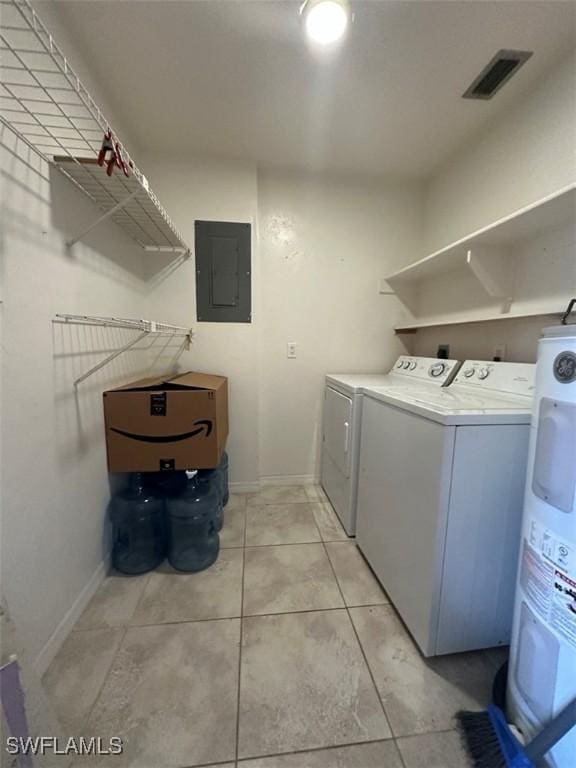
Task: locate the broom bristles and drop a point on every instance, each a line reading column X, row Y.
column 480, row 739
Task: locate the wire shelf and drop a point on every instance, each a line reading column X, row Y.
column 150, row 326
column 146, row 328
column 44, row 103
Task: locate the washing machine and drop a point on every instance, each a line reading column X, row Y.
column 542, row 670
column 440, row 496
column 342, row 419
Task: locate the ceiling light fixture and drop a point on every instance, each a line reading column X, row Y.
column 326, row 21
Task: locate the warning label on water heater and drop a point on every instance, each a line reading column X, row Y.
column 548, row 578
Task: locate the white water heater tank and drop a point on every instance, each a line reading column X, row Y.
column 542, row 672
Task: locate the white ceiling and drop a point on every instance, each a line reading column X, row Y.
column 236, row 78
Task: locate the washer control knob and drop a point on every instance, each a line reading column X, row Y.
column 437, row 370
column 399, row 364
column 469, row 372
column 406, row 365
column 413, row 365
column 483, row 373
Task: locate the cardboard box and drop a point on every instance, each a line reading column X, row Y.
column 178, row 422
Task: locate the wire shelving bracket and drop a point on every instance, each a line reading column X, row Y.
column 146, row 328
column 43, row 101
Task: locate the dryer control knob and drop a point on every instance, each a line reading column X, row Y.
column 437, row 369
column 400, row 364
column 406, row 365
column 413, row 365
column 469, row 372
column 483, row 373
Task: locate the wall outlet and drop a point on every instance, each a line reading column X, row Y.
column 291, row 349
column 499, row 352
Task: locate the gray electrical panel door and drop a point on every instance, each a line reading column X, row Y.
column 223, row 272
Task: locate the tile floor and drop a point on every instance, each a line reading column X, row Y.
column 284, row 654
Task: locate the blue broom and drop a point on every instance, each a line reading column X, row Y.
column 491, row 744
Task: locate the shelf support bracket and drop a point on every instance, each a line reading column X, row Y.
column 491, row 269
column 111, row 357
column 111, row 212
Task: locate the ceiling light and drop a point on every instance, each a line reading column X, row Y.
column 326, row 20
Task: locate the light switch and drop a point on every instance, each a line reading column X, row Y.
column 291, row 349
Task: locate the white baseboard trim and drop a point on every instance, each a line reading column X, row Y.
column 49, row 651
column 268, row 480
column 244, row 487
column 289, row 480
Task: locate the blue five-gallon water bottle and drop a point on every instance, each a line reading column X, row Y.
column 194, row 543
column 210, row 478
column 138, row 528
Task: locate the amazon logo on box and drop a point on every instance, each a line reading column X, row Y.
column 167, row 422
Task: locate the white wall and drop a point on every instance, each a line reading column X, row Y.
column 324, row 244
column 54, row 485
column 54, row 479
column 204, row 189
column 319, row 247
column 525, row 155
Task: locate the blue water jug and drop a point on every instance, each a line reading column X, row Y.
column 223, row 469
column 166, row 485
column 138, row 528
column 210, row 478
column 194, row 543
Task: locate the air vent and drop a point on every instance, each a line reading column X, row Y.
column 496, row 73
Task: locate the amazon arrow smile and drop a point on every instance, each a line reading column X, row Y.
column 204, row 426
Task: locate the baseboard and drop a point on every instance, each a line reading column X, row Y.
column 49, row 651
column 244, row 487
column 253, row 487
column 289, row 480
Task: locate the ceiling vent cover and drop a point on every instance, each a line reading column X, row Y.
column 496, row 73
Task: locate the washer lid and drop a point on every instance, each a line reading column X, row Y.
column 449, row 406
column 559, row 330
column 453, row 400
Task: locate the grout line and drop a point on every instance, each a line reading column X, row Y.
column 211, row 765
column 177, row 622
column 347, row 608
column 346, row 745
column 426, row 733
column 400, row 755
column 237, row 745
column 124, row 629
column 294, row 543
column 310, row 610
column 262, row 504
column 90, row 712
column 329, row 748
column 141, row 598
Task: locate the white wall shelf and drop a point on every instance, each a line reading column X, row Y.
column 552, row 211
column 44, row 103
column 145, row 328
column 487, row 263
column 554, row 314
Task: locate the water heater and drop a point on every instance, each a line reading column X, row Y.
column 542, row 672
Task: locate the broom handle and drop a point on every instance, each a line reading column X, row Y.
column 552, row 733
